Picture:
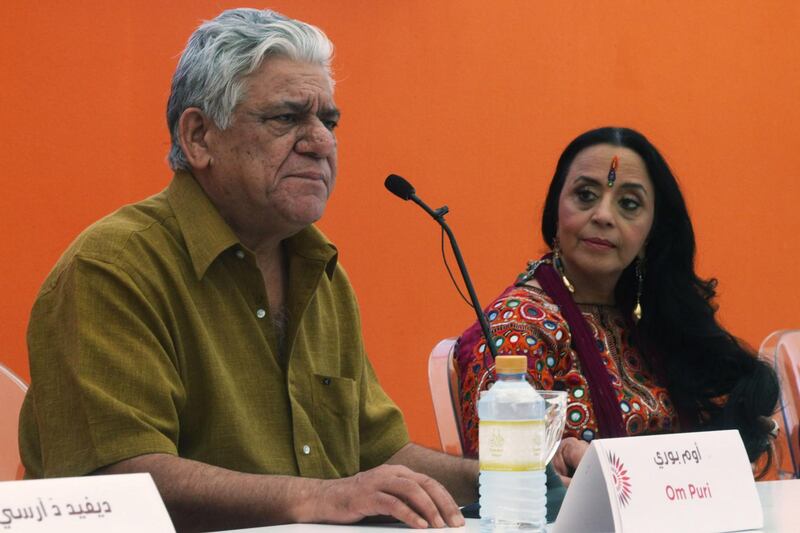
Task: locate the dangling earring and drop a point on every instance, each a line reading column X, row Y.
column 637, row 309
column 560, row 265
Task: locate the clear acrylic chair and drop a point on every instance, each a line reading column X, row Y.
column 443, row 382
column 782, row 348
column 12, row 392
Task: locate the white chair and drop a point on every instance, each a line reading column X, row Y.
column 12, row 392
column 443, row 381
column 782, row 348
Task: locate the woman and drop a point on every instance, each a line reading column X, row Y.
column 616, row 315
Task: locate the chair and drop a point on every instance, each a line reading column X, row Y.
column 782, row 348
column 12, row 392
column 443, row 382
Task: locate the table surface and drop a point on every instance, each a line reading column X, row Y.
column 779, row 499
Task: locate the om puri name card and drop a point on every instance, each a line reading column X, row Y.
column 118, row 503
column 679, row 482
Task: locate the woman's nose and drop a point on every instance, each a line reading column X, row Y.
column 603, row 214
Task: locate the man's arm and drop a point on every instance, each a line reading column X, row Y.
column 458, row 475
column 199, row 496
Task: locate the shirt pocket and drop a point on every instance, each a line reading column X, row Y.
column 335, row 403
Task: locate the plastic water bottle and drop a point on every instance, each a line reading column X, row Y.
column 511, row 451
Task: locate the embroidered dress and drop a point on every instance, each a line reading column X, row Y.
column 525, row 321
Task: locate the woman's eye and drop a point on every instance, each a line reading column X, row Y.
column 630, row 204
column 585, row 195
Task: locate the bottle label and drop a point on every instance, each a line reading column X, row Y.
column 511, row 445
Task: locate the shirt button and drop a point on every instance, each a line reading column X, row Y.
column 326, row 381
column 261, row 313
column 240, row 254
column 306, row 449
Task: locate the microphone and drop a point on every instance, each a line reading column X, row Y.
column 400, row 187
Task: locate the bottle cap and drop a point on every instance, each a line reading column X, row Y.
column 511, row 364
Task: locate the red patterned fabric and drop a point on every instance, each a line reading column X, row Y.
column 525, row 321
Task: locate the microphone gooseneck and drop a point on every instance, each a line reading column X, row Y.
column 400, row 187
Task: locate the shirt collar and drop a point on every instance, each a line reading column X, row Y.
column 207, row 234
column 311, row 243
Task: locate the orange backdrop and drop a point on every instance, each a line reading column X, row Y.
column 472, row 101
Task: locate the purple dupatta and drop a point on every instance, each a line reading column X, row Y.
column 604, row 399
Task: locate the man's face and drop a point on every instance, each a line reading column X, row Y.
column 273, row 169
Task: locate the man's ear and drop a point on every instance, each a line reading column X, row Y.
column 192, row 129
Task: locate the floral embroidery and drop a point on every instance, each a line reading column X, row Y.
column 525, row 321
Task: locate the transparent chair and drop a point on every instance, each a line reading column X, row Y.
column 443, row 382
column 12, row 392
column 782, row 348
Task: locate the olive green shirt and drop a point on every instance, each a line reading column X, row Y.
column 152, row 334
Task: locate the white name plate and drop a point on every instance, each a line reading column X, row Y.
column 119, row 503
column 680, row 482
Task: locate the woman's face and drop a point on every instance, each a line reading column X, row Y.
column 602, row 228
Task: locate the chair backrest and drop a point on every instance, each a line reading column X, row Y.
column 443, row 381
column 12, row 392
column 782, row 348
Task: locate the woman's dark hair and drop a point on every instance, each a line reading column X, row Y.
column 713, row 380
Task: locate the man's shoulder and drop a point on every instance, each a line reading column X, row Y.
column 145, row 220
column 121, row 237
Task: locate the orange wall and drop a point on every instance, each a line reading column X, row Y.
column 470, row 100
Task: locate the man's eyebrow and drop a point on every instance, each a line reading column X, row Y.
column 329, row 113
column 298, row 106
column 294, row 106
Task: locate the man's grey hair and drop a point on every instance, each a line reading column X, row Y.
column 222, row 52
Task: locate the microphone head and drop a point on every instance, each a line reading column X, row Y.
column 398, row 186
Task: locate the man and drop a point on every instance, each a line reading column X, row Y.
column 207, row 335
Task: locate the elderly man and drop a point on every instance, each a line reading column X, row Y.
column 207, row 335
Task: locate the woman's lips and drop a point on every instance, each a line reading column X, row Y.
column 599, row 244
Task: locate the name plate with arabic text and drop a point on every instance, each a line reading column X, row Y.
column 663, row 483
column 118, row 503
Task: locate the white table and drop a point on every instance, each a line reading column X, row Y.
column 779, row 499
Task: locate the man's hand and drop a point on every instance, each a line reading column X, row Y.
column 569, row 454
column 391, row 490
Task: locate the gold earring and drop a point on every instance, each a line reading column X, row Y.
column 560, row 265
column 637, row 309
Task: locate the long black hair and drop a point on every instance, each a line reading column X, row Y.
column 713, row 379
